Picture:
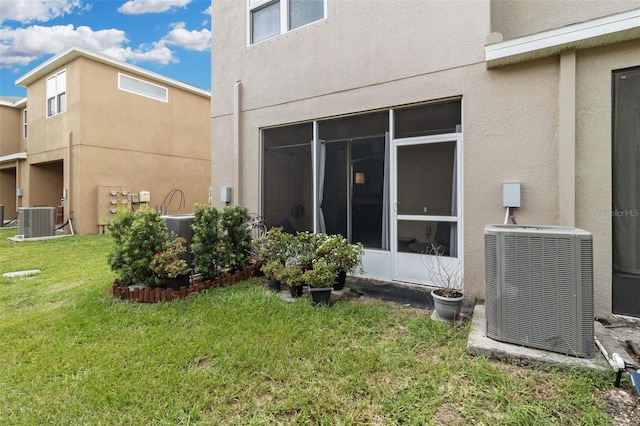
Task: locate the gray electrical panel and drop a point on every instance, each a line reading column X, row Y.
column 539, row 287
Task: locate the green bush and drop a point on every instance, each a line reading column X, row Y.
column 138, row 236
column 207, row 246
column 236, row 237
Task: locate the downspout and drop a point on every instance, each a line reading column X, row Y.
column 237, row 139
column 567, row 139
column 67, row 206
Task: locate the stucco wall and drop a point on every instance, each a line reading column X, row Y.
column 10, row 130
column 593, row 154
column 517, row 18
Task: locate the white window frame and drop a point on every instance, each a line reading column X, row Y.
column 56, row 94
column 165, row 98
column 253, row 5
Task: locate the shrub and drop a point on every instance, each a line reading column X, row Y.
column 169, row 262
column 236, row 237
column 207, row 246
column 138, row 236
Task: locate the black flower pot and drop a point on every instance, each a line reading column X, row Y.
column 321, row 295
column 340, row 280
column 296, row 291
column 274, row 285
column 177, row 282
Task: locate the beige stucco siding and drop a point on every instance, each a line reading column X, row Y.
column 593, row 153
column 517, row 18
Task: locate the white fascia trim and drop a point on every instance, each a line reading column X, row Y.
column 13, row 157
column 74, row 52
column 562, row 37
column 20, row 103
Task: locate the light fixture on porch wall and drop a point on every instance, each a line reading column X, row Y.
column 360, row 178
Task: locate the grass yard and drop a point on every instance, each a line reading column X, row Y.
column 72, row 354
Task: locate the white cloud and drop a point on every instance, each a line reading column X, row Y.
column 158, row 53
column 138, row 7
column 191, row 40
column 18, row 47
column 37, row 10
column 207, row 11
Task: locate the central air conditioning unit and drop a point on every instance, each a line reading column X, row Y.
column 181, row 226
column 36, row 221
column 539, row 287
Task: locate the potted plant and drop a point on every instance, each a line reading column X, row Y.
column 169, row 266
column 292, row 274
column 272, row 270
column 321, row 278
column 448, row 297
column 346, row 258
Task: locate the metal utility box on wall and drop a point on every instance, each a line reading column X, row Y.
column 36, row 221
column 539, row 287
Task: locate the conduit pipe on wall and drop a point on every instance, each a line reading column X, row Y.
column 237, row 138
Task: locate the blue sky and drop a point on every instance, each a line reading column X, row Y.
column 169, row 37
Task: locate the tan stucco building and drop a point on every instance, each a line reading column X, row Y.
column 397, row 123
column 94, row 132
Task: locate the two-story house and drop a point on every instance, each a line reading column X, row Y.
column 94, row 134
column 397, row 124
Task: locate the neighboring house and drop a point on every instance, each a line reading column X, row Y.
column 94, row 132
column 12, row 150
column 396, row 123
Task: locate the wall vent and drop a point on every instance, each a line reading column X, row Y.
column 539, row 287
column 36, row 221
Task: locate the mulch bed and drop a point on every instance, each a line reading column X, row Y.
column 159, row 294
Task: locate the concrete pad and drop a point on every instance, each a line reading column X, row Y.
column 480, row 344
column 21, row 274
column 21, row 238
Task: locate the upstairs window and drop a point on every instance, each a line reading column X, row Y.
column 143, row 88
column 24, row 123
column 57, row 94
column 271, row 18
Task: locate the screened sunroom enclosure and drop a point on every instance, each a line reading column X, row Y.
column 389, row 179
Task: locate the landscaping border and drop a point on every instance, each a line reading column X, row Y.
column 158, row 294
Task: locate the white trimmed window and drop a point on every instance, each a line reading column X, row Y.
column 24, row 123
column 143, row 88
column 269, row 18
column 57, row 94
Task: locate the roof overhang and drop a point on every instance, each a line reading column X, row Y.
column 17, row 103
column 75, row 52
column 13, row 157
column 598, row 32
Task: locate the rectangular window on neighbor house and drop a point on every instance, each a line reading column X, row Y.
column 56, row 89
column 143, row 88
column 24, row 123
column 269, row 18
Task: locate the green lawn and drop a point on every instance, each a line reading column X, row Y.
column 73, row 355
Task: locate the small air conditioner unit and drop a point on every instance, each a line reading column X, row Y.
column 539, row 287
column 36, row 221
column 181, row 226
